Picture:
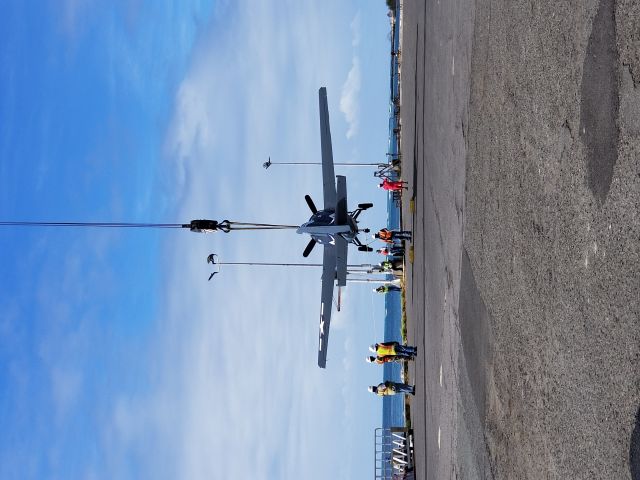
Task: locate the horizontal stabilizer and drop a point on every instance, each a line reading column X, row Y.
column 342, row 249
column 341, row 204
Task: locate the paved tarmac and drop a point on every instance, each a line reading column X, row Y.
column 520, row 140
column 436, row 60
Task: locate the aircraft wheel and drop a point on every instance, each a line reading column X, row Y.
column 365, row 206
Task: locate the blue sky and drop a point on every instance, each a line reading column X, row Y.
column 117, row 358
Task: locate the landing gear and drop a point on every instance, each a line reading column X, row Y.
column 362, row 247
column 361, row 208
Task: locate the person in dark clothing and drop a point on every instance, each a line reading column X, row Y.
column 388, row 288
column 395, row 265
column 392, row 251
column 392, row 388
column 390, row 236
column 381, row 360
column 393, row 348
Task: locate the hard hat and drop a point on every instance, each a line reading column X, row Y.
column 372, row 348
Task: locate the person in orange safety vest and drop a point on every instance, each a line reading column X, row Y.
column 390, row 236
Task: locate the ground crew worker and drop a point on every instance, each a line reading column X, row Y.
column 381, row 360
column 388, row 288
column 390, row 265
column 391, row 251
column 390, row 236
column 392, row 388
column 392, row 185
column 393, row 348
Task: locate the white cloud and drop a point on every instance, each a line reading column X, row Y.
column 349, row 99
column 355, row 31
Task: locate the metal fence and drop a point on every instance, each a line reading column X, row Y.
column 393, row 453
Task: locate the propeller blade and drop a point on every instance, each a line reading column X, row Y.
column 312, row 206
column 310, row 245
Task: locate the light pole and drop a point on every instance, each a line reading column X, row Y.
column 268, row 163
column 356, row 268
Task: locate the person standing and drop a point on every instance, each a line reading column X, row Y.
column 394, row 265
column 389, row 359
column 392, row 251
column 389, row 236
column 387, row 288
column 392, row 185
column 393, row 348
column 392, row 388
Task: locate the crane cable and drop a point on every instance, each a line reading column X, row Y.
column 231, row 225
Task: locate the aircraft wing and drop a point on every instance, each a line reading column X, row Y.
column 326, row 302
column 328, row 174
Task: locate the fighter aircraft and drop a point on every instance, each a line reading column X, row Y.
column 334, row 227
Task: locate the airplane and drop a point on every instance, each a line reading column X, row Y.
column 334, row 227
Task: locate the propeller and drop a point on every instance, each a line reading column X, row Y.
column 312, row 206
column 310, row 245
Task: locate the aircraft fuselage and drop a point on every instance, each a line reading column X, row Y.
column 322, row 227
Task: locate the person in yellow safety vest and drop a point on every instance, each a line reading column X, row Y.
column 392, row 388
column 389, row 358
column 393, row 348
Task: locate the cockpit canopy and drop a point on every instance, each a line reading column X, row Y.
column 322, row 218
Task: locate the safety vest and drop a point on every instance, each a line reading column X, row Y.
column 383, row 350
column 385, row 391
column 384, row 234
column 382, row 360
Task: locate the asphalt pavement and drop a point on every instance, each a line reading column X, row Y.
column 520, row 140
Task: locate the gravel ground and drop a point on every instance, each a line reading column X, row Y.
column 552, row 228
